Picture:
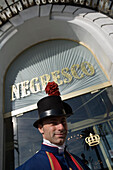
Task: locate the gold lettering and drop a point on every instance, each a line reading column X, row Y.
column 56, row 76
column 87, row 69
column 15, row 92
column 34, row 86
column 67, row 75
column 44, row 79
column 74, row 72
column 25, row 88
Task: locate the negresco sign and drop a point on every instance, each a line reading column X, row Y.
column 37, row 84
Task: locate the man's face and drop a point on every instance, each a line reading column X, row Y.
column 54, row 129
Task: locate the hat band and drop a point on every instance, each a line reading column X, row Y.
column 52, row 112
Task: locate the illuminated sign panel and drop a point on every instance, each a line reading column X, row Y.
column 66, row 62
column 27, row 87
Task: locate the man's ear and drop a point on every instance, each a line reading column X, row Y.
column 40, row 128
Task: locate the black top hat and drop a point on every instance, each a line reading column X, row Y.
column 52, row 106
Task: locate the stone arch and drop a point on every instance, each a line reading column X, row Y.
column 36, row 24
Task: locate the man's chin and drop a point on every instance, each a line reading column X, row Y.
column 60, row 142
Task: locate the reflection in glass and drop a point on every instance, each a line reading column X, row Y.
column 92, row 155
column 27, row 137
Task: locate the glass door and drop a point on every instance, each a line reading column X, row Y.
column 98, row 156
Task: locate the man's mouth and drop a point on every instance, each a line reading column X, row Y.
column 60, row 134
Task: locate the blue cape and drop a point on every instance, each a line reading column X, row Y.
column 40, row 160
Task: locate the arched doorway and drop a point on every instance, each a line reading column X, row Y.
column 67, row 22
column 82, row 83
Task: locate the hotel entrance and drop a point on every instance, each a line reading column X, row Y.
column 83, row 84
column 93, row 114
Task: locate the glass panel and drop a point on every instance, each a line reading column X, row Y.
column 90, row 105
column 106, row 134
column 27, row 138
column 8, row 144
column 92, row 156
column 111, row 123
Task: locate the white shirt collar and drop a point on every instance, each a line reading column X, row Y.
column 60, row 148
